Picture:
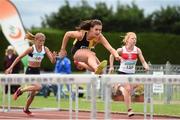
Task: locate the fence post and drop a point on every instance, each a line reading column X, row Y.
column 168, row 88
column 150, row 68
column 167, row 68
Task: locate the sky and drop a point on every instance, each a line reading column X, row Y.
column 32, row 11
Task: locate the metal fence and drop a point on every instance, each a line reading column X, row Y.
column 168, row 69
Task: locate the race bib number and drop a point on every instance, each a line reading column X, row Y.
column 130, row 65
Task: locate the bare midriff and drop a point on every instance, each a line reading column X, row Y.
column 34, row 64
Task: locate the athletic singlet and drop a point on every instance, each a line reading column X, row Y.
column 129, row 60
column 36, row 56
column 84, row 43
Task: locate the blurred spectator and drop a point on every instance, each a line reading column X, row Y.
column 63, row 66
column 10, row 56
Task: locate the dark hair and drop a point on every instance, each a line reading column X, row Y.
column 87, row 24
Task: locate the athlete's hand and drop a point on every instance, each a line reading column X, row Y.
column 118, row 58
column 54, row 53
column 111, row 70
column 146, row 68
column 62, row 53
column 8, row 71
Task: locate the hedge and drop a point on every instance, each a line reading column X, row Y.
column 157, row 48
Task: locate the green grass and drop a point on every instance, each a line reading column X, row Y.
column 50, row 102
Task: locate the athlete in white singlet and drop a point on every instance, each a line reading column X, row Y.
column 35, row 54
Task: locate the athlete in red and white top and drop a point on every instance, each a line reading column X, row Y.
column 129, row 60
column 129, row 55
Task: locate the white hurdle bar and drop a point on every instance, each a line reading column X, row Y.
column 53, row 79
column 147, row 80
column 86, row 78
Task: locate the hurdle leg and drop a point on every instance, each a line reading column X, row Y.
column 145, row 100
column 58, row 94
column 3, row 98
column 9, row 97
column 93, row 98
column 70, row 102
column 102, row 90
column 107, row 101
column 77, row 100
column 88, row 91
column 151, row 101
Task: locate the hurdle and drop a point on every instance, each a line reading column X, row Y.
column 53, row 79
column 147, row 80
column 91, row 79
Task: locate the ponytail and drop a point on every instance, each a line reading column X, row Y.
column 30, row 37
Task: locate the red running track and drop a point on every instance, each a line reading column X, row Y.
column 52, row 114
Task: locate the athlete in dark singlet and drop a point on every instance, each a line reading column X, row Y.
column 87, row 35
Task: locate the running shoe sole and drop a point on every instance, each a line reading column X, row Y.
column 101, row 66
column 130, row 114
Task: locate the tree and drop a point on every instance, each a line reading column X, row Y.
column 130, row 17
column 68, row 17
column 124, row 18
column 103, row 13
column 166, row 20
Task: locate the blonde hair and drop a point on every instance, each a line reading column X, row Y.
column 10, row 48
column 31, row 38
column 126, row 37
column 40, row 35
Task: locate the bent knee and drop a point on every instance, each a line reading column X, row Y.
column 38, row 87
column 32, row 93
column 128, row 87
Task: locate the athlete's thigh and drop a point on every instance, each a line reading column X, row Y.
column 82, row 55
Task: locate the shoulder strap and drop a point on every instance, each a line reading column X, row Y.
column 84, row 37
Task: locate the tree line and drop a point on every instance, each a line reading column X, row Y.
column 124, row 18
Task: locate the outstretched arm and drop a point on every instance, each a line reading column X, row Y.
column 9, row 70
column 111, row 64
column 67, row 36
column 106, row 44
column 111, row 61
